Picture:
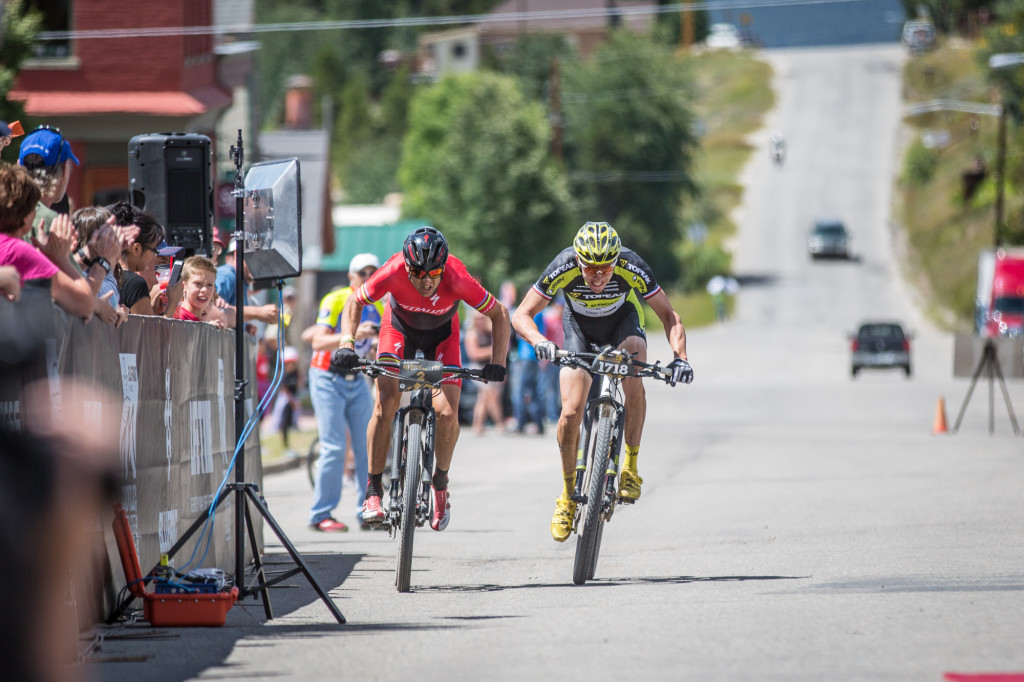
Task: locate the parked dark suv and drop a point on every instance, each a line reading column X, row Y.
column 880, row 345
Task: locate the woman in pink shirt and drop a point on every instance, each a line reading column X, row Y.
column 18, row 198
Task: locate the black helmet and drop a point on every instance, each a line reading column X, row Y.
column 425, row 249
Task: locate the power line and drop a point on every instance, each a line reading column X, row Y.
column 357, row 24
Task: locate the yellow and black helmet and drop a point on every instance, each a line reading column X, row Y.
column 597, row 243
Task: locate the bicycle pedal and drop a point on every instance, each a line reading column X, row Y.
column 579, row 499
column 625, row 500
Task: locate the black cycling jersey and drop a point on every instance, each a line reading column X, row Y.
column 631, row 278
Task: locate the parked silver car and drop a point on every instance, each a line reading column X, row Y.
column 828, row 239
column 880, row 345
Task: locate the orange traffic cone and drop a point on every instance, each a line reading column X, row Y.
column 940, row 417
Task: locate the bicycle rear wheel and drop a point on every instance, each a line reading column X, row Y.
column 589, row 541
column 410, row 486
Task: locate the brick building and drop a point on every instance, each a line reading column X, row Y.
column 126, row 68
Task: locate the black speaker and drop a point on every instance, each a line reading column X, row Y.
column 171, row 178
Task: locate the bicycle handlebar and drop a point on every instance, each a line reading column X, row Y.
column 618, row 363
column 421, row 373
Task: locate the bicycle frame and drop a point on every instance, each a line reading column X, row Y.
column 609, row 388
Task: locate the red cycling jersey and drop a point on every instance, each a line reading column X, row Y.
column 412, row 321
column 415, row 311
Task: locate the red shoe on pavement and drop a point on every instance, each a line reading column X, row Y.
column 373, row 513
column 329, row 525
column 442, row 510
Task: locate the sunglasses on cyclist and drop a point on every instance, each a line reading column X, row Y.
column 424, row 274
column 596, row 269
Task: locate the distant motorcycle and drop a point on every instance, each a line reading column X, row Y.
column 777, row 148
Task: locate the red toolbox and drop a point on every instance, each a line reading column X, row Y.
column 207, row 609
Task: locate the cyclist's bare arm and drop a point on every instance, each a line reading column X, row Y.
column 523, row 322
column 500, row 329
column 670, row 319
column 350, row 316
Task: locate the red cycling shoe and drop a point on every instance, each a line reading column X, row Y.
column 442, row 510
column 329, row 525
column 373, row 513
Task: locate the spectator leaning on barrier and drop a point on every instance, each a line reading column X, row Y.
column 227, row 281
column 136, row 293
column 49, row 158
column 198, row 274
column 19, row 197
column 87, row 222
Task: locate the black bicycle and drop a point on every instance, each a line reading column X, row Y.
column 412, row 449
column 597, row 467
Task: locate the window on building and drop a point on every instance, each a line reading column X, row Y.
column 56, row 17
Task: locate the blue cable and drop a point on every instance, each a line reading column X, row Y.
column 253, row 420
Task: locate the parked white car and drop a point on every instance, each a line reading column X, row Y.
column 723, row 37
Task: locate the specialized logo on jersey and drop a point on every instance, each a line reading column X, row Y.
column 398, row 347
column 433, row 299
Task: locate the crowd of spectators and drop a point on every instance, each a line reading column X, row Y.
column 102, row 262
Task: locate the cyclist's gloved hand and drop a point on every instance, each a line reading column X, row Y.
column 492, row 372
column 343, row 360
column 545, row 350
column 681, row 371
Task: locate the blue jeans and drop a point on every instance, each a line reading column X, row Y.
column 525, row 380
column 341, row 406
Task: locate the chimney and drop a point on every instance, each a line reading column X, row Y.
column 298, row 103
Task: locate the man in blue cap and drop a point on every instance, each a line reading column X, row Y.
column 48, row 158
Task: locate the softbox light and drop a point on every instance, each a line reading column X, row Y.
column 273, row 219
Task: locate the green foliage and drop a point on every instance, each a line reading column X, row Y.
column 531, row 59
column 919, row 165
column 370, row 168
column 18, row 28
column 475, row 163
column 628, row 115
column 701, row 262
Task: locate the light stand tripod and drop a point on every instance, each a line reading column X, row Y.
column 989, row 359
column 246, row 492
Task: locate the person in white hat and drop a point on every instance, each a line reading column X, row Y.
column 342, row 400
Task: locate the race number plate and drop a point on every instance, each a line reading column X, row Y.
column 416, row 374
column 615, row 365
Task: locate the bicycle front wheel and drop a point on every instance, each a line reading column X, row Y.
column 588, row 543
column 410, row 486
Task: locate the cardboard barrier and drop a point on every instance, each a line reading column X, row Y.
column 172, row 385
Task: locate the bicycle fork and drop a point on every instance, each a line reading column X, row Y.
column 611, row 473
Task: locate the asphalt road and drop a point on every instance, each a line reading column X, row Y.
column 795, row 524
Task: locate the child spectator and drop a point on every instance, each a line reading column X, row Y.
column 198, row 275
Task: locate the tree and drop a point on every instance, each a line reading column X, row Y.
column 18, row 28
column 475, row 163
column 630, row 144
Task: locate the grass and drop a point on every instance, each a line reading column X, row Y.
column 943, row 230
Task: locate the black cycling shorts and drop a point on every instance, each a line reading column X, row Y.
column 581, row 331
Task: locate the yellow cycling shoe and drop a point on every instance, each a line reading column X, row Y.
column 561, row 522
column 629, row 485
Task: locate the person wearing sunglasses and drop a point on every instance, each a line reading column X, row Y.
column 603, row 283
column 426, row 285
column 49, row 159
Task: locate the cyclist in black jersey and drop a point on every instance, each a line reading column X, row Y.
column 603, row 283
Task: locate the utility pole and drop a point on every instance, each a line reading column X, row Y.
column 1000, row 179
column 686, row 28
column 556, row 111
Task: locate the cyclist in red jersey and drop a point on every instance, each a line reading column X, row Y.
column 426, row 285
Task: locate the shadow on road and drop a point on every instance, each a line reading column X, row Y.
column 608, row 582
